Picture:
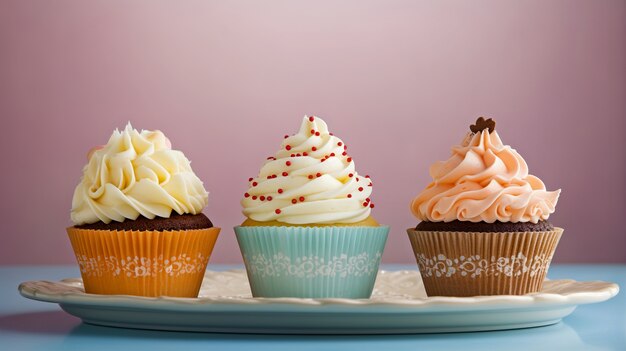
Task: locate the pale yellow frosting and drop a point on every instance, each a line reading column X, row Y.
column 367, row 222
column 486, row 181
column 136, row 173
column 310, row 180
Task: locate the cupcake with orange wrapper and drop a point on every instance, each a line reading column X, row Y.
column 309, row 231
column 138, row 222
column 484, row 226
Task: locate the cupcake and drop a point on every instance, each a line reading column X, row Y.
column 138, row 226
column 309, row 232
column 484, row 226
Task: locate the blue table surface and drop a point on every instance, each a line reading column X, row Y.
column 33, row 325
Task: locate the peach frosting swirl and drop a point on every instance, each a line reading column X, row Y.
column 486, row 181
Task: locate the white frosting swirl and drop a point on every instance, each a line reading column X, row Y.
column 136, row 173
column 311, row 180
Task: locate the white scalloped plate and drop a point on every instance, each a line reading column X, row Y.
column 398, row 305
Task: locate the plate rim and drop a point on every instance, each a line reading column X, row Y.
column 604, row 291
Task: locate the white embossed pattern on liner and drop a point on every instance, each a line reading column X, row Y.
column 475, row 265
column 135, row 267
column 313, row 266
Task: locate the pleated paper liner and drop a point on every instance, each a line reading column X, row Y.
column 474, row 263
column 312, row 262
column 145, row 263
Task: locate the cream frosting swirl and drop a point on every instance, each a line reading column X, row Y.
column 486, row 181
column 310, row 180
column 136, row 173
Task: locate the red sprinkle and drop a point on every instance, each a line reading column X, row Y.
column 288, row 147
column 311, row 118
column 285, row 174
column 332, row 154
column 339, row 143
column 323, row 160
column 368, row 199
column 246, row 195
column 286, row 136
column 293, row 155
column 301, row 198
column 349, row 159
column 288, row 163
column 312, row 131
column 370, row 184
column 277, row 211
column 371, row 205
column 250, row 179
column 254, row 197
column 367, row 176
column 298, row 154
column 280, row 191
column 269, row 177
column 349, row 195
column 344, row 153
column 360, row 188
column 269, row 198
column 262, row 198
column 319, row 174
column 317, row 133
column 305, row 154
column 293, row 201
column 310, row 176
column 255, row 183
column 365, row 204
column 357, row 179
column 350, row 175
column 313, row 148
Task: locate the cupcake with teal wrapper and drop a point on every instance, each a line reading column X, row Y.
column 309, row 232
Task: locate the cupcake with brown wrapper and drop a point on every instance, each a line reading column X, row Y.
column 138, row 226
column 484, row 226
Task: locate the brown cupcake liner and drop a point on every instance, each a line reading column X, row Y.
column 476, row 263
column 145, row 263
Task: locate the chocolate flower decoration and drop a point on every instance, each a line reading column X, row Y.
column 482, row 124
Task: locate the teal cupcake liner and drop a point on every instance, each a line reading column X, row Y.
column 312, row 262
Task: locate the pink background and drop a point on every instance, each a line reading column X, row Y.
column 399, row 81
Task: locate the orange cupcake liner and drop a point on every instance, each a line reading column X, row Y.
column 474, row 263
column 145, row 263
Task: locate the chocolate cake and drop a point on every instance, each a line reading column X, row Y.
column 175, row 222
column 465, row 226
